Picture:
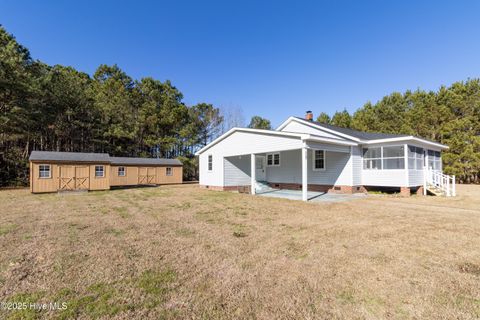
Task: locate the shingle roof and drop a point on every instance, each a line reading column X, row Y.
column 144, row 161
column 357, row 134
column 98, row 158
column 69, row 156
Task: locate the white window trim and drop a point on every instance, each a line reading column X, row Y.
column 171, row 171
column 402, row 157
column 49, row 171
column 103, row 172
column 208, row 163
column 273, row 159
column 124, row 172
column 386, row 158
column 366, row 159
column 415, row 158
column 324, row 160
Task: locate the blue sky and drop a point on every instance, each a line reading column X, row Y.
column 270, row 58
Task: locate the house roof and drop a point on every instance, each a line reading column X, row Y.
column 355, row 133
column 144, row 161
column 98, row 158
column 69, row 156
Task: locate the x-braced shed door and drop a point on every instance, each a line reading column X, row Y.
column 146, row 175
column 82, row 181
column 66, row 178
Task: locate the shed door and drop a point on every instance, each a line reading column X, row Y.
column 151, row 175
column 82, row 181
column 66, row 178
column 142, row 175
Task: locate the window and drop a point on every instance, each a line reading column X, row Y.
column 210, row 162
column 415, row 158
column 99, row 171
column 318, row 159
column 434, row 160
column 394, row 157
column 378, row 158
column 121, row 171
column 44, row 171
column 273, row 159
column 372, row 158
column 169, row 171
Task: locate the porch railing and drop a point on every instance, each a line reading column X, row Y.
column 438, row 182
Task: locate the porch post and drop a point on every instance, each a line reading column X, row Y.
column 253, row 178
column 304, row 174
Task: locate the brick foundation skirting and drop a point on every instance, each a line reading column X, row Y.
column 420, row 191
column 405, row 191
column 319, row 187
column 225, row 188
column 293, row 186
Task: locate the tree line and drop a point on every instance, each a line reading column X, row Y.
column 58, row 108
column 450, row 115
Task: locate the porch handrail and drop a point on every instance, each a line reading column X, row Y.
column 441, row 181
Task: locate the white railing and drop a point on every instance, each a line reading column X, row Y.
column 443, row 182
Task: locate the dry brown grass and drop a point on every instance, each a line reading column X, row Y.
column 181, row 252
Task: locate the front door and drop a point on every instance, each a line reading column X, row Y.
column 260, row 168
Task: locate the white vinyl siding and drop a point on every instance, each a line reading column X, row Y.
column 338, row 170
column 241, row 143
column 357, row 166
column 386, row 177
column 237, row 171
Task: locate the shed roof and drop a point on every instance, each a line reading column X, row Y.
column 98, row 158
column 144, row 161
column 69, row 156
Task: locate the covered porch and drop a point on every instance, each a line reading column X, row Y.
column 300, row 174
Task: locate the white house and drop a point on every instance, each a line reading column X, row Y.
column 308, row 155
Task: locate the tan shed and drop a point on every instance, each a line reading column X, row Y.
column 145, row 171
column 69, row 171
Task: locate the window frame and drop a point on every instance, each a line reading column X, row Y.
column 171, row 171
column 103, row 171
column 273, row 154
column 374, row 159
column 417, row 156
column 314, row 162
column 40, row 171
column 124, row 171
column 382, row 158
column 389, row 158
column 435, row 158
column 210, row 163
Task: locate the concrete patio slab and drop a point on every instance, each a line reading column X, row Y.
column 312, row 196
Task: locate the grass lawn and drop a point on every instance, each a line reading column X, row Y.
column 182, row 252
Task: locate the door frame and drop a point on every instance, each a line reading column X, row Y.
column 264, row 170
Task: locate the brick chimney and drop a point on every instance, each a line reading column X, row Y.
column 309, row 115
